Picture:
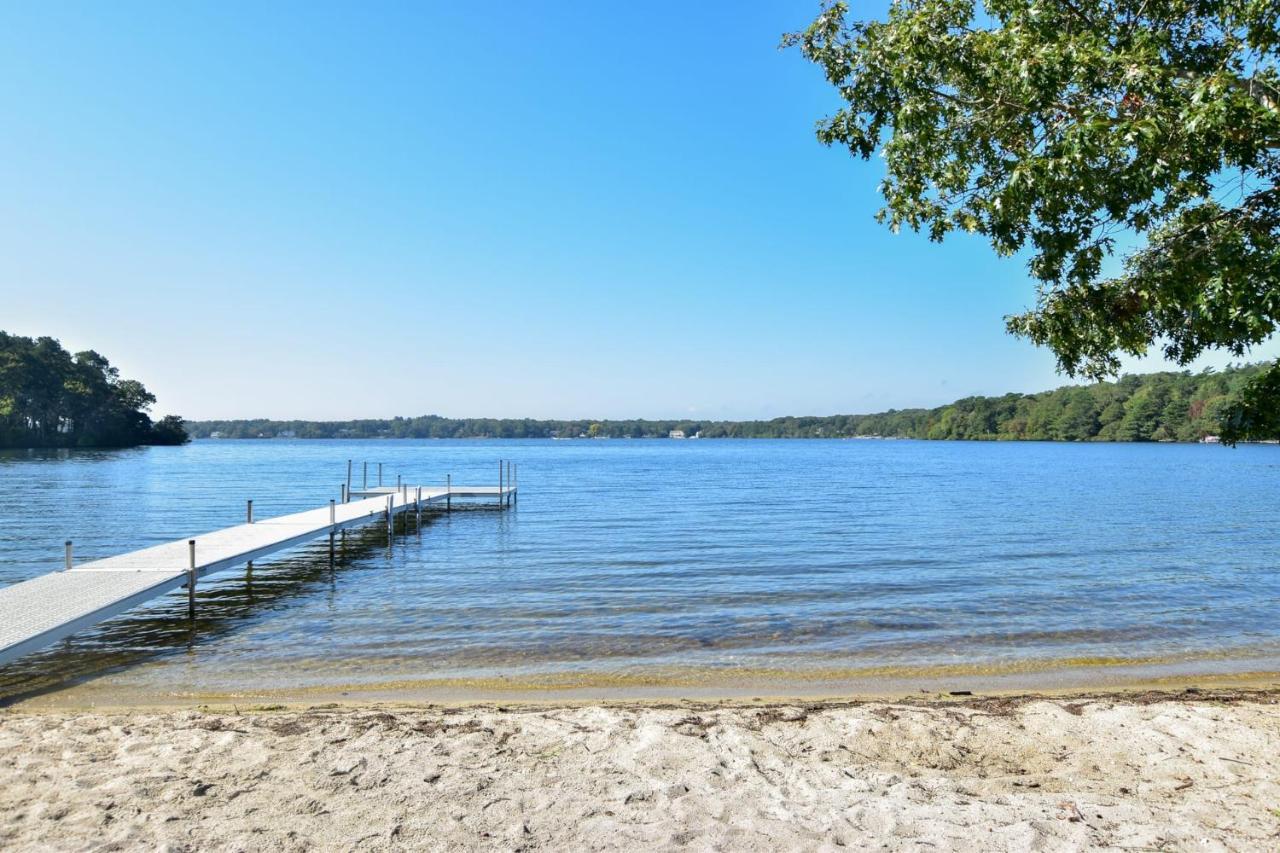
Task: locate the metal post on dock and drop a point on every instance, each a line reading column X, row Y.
column 499, row 482
column 346, row 493
column 417, row 506
column 191, row 579
column 397, row 482
column 390, row 523
column 379, row 474
column 68, row 555
column 332, row 524
column 342, row 492
column 448, row 493
column 365, row 483
column 248, row 517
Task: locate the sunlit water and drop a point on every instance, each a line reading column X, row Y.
column 628, row 558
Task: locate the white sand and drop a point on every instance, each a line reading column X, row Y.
column 1131, row 772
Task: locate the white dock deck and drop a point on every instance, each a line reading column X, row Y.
column 45, row 609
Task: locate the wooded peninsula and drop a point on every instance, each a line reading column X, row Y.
column 1167, row 406
column 51, row 398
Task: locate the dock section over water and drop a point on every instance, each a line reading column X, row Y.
column 45, row 609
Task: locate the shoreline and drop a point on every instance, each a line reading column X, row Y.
column 714, row 687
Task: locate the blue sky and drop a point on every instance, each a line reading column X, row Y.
column 507, row 209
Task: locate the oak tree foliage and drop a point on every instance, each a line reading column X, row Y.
column 1074, row 129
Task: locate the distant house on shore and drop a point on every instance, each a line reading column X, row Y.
column 1210, row 439
column 676, row 433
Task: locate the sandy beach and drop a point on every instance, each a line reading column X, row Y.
column 1142, row 771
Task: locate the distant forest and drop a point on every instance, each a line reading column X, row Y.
column 51, row 398
column 1170, row 406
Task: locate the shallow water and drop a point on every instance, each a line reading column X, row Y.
column 670, row 559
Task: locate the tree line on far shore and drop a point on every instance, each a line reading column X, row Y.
column 1168, row 406
column 52, row 398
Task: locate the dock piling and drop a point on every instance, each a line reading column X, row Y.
column 68, row 561
column 346, row 493
column 191, row 579
column 332, row 524
column 248, row 512
column 364, row 486
column 417, row 506
column 448, row 493
column 379, row 474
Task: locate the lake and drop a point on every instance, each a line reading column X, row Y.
column 650, row 562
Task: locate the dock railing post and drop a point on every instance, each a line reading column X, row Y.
column 191, row 579
column 448, row 493
column 248, row 518
column 346, row 493
column 68, row 555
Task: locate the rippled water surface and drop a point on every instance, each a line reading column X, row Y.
column 627, row 557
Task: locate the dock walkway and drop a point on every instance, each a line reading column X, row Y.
column 45, row 609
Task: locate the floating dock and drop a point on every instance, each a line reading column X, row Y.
column 45, row 609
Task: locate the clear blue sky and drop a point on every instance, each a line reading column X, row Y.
column 508, row 209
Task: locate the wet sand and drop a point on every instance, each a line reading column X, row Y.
column 158, row 685
column 1135, row 770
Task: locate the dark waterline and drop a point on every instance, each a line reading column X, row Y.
column 632, row 557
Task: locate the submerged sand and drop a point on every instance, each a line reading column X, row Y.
column 1140, row 771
